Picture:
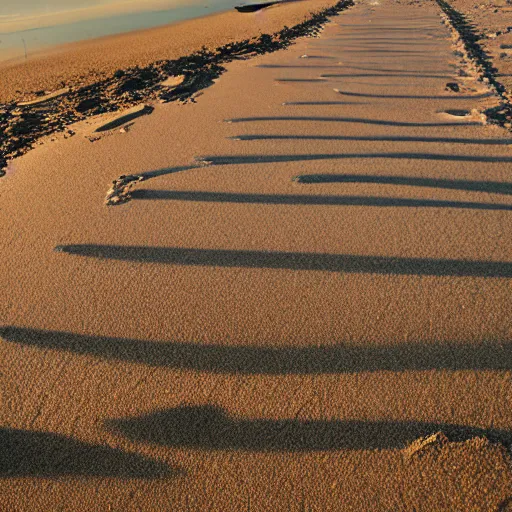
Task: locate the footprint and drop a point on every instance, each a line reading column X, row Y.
column 463, row 114
column 455, row 112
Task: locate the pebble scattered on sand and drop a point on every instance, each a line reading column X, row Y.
column 424, row 443
column 475, row 62
column 120, row 191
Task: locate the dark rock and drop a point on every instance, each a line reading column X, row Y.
column 88, row 104
column 132, row 84
column 452, row 86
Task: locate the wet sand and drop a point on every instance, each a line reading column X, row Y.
column 312, row 274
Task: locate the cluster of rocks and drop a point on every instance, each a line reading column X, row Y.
column 479, row 63
column 23, row 125
column 120, row 190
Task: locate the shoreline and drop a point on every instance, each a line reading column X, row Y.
column 47, row 35
column 86, row 62
column 79, row 47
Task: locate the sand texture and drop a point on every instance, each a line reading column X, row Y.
column 301, row 300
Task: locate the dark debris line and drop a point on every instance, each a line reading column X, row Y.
column 22, row 126
column 502, row 114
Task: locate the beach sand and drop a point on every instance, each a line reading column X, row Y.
column 311, row 279
column 86, row 62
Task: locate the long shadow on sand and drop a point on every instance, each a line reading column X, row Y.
column 267, row 159
column 358, row 46
column 322, row 103
column 329, row 57
column 166, row 171
column 347, row 263
column 390, row 84
column 370, row 51
column 385, row 70
column 223, row 197
column 387, row 28
column 358, row 120
column 365, row 42
column 373, row 138
column 374, row 75
column 209, row 427
column 26, row 453
column 300, row 80
column 275, row 66
column 271, row 359
column 494, row 187
column 410, row 97
column 396, row 73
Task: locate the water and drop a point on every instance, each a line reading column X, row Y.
column 34, row 27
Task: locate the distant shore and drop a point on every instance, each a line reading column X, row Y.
column 23, row 36
column 84, row 63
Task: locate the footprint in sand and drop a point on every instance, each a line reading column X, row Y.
column 464, row 115
column 456, row 112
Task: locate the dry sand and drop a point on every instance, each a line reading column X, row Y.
column 232, row 338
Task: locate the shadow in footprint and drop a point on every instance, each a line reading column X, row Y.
column 208, row 427
column 26, row 453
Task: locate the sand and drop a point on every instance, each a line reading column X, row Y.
column 492, row 22
column 83, row 63
column 233, row 337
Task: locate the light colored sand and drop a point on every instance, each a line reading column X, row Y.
column 121, row 340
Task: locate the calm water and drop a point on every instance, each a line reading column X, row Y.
column 37, row 25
